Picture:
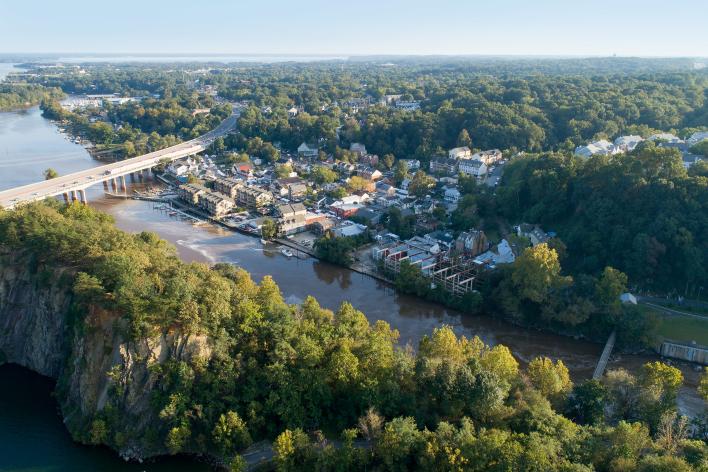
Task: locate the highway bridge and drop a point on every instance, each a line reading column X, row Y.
column 73, row 186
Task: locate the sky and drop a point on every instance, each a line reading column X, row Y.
column 357, row 27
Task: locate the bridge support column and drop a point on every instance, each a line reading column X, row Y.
column 140, row 175
column 132, row 177
column 73, row 195
column 82, row 194
column 105, row 185
column 114, row 185
column 66, row 198
column 123, row 186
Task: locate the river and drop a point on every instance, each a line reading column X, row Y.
column 32, row 437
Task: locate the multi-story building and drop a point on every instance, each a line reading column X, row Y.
column 253, row 197
column 443, row 165
column 292, row 218
column 472, row 167
column 228, row 186
column 190, row 193
column 459, row 153
column 217, row 204
column 488, row 157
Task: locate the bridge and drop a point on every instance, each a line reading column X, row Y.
column 73, row 186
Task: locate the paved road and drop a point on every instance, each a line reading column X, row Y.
column 494, row 177
column 86, row 178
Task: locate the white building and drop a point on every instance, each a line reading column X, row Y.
column 668, row 137
column 628, row 143
column 292, row 112
column 459, row 153
column 307, row 150
column 601, row 147
column 408, row 105
column 502, row 255
column 697, row 137
column 452, row 195
column 488, row 157
column 472, row 167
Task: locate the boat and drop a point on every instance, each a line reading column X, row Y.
column 263, row 241
column 286, row 252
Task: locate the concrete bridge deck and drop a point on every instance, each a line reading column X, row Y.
column 71, row 184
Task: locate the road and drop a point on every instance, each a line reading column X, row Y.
column 83, row 179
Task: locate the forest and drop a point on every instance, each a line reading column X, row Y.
column 21, row 96
column 333, row 390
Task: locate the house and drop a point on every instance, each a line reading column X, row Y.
column 228, row 186
column 413, row 164
column 368, row 173
column 405, row 183
column 666, row 137
column 282, row 186
column 690, row 159
column 601, row 147
column 190, row 193
column 344, row 167
column 292, row 112
column 217, row 204
column 502, row 255
column 408, row 105
column 384, row 189
column 369, row 216
column 348, row 229
column 292, row 218
column 443, row 165
column 471, row 243
column 459, row 153
column 178, row 169
column 345, row 210
column 244, row 170
column 489, row 157
column 253, row 197
column 532, row 232
column 369, row 159
column 358, row 148
column 390, row 99
column 307, row 150
column 322, row 226
column 628, row 143
column 452, row 195
column 472, row 167
column 696, row 138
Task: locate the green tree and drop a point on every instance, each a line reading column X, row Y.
column 269, row 230
column 50, row 174
column 463, row 139
column 230, row 433
column 552, row 380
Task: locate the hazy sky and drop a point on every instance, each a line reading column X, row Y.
column 555, row 27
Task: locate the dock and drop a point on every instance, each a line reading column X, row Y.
column 605, row 356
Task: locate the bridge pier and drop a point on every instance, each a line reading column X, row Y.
column 73, row 196
column 66, row 198
column 123, row 186
column 114, row 185
column 82, row 194
column 105, row 185
column 140, row 175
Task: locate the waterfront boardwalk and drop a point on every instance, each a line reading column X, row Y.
column 73, row 186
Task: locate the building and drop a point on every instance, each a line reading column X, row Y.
column 384, row 189
column 369, row 159
column 452, row 195
column 696, row 138
column 345, row 210
column 217, row 204
column 348, row 229
column 532, row 232
column 228, row 186
column 244, row 170
column 190, row 193
column 489, row 157
column 601, row 147
column 471, row 243
column 408, row 105
column 358, row 148
column 443, row 165
column 292, row 112
column 459, row 153
column 307, row 150
column 369, row 173
column 472, row 167
column 666, row 137
column 628, row 143
column 292, row 218
column 412, row 164
column 253, row 197
column 502, row 255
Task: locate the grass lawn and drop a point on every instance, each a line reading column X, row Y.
column 684, row 329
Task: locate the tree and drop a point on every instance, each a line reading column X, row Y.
column 536, row 272
column 371, row 424
column 703, row 385
column 323, row 175
column 50, row 174
column 269, row 230
column 552, row 380
column 283, row 171
column 357, row 184
column 230, row 433
column 610, row 286
column 586, row 403
column 463, row 139
column 401, row 172
column 389, row 160
column 421, row 183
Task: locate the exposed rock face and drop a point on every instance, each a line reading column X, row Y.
column 96, row 366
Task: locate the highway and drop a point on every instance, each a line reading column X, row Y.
column 79, row 181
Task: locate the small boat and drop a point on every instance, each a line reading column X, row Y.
column 286, row 252
column 263, row 241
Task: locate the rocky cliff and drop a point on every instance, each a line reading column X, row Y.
column 102, row 376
